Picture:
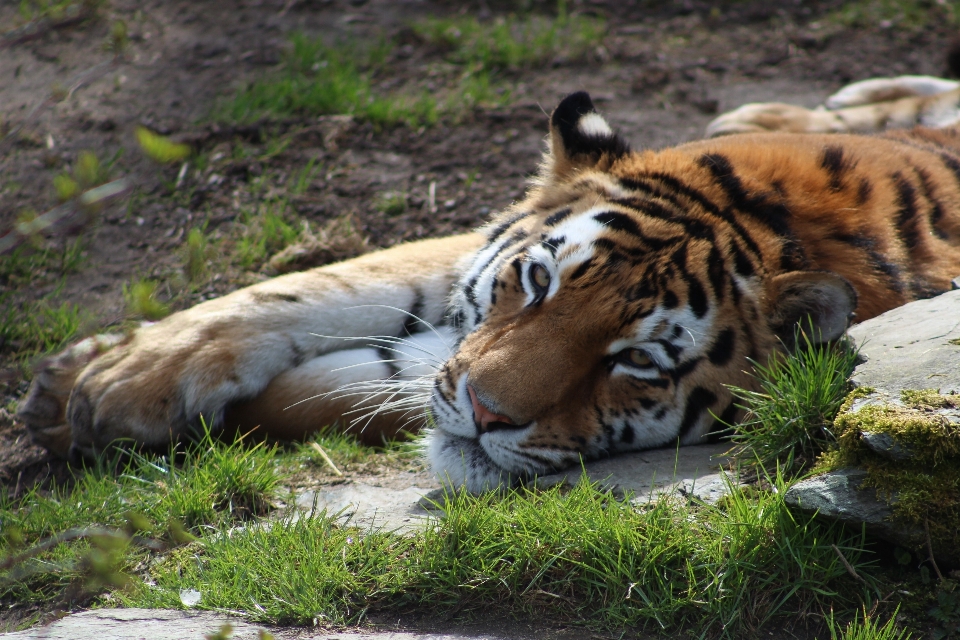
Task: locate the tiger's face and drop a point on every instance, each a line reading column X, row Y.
column 607, row 312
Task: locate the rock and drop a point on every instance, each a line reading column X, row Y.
column 685, row 472
column 836, row 496
column 911, row 365
column 883, row 444
column 910, row 347
column 368, row 506
column 138, row 624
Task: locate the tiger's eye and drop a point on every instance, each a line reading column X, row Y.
column 639, row 358
column 540, row 276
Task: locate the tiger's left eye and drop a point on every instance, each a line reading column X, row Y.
column 540, row 276
column 639, row 358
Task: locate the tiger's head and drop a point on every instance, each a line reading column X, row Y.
column 609, row 310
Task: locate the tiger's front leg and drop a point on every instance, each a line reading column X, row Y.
column 155, row 386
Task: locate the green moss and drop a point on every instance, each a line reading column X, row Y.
column 955, row 341
column 924, row 491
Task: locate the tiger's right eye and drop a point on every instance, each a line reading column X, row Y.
column 540, row 276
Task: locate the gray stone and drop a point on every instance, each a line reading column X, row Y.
column 910, row 347
column 369, row 506
column 157, row 624
column 138, row 624
column 836, row 496
column 685, row 471
column 883, row 444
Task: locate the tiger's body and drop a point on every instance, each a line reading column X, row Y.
column 607, row 311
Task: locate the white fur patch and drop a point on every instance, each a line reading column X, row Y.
column 593, row 125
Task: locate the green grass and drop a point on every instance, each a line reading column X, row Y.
column 899, row 14
column 39, row 327
column 868, row 628
column 512, row 42
column 322, row 78
column 789, row 419
column 580, row 555
column 319, row 79
column 214, row 484
column 141, row 300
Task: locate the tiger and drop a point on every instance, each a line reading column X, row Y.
column 611, row 309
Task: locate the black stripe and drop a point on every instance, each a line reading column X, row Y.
column 696, row 196
column 698, row 402
column 552, row 244
column 627, row 435
column 877, row 259
column 580, row 270
column 671, row 349
column 864, row 191
column 935, row 214
column 416, row 312
column 907, row 221
column 559, row 216
column 836, row 166
column 716, row 273
column 684, row 369
column 760, row 207
column 501, row 228
column 722, row 425
column 722, row 349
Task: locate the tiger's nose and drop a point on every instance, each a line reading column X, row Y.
column 487, row 420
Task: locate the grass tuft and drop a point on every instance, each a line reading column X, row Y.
column 141, row 299
column 789, row 420
column 319, row 79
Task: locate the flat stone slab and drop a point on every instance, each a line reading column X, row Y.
column 910, row 347
column 685, row 471
column 160, row 624
column 139, row 624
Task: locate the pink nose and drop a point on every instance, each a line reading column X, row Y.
column 483, row 416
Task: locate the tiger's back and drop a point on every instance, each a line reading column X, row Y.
column 881, row 211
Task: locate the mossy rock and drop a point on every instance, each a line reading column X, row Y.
column 899, row 432
column 908, row 449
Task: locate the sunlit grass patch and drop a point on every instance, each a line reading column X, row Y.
column 513, row 42
column 897, row 14
column 212, row 484
column 789, row 420
column 38, row 327
column 141, row 300
column 319, row 79
column 579, row 554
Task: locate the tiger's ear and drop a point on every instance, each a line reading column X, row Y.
column 580, row 138
column 821, row 302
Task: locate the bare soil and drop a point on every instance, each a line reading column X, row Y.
column 663, row 72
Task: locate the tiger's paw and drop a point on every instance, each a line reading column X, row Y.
column 43, row 410
column 774, row 116
column 877, row 90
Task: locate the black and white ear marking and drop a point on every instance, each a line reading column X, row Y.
column 580, row 137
